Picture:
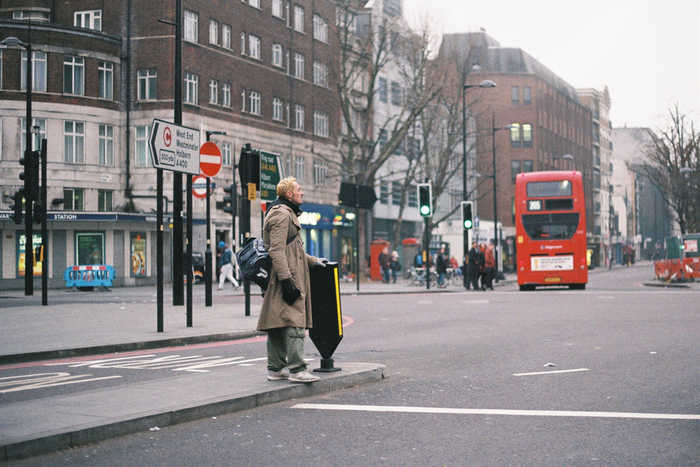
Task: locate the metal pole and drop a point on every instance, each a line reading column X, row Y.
column 178, row 295
column 465, row 233
column 28, row 159
column 495, row 200
column 159, row 249
column 188, row 258
column 426, row 249
column 357, row 246
column 44, row 229
column 207, row 254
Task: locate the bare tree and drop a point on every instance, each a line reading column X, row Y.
column 672, row 165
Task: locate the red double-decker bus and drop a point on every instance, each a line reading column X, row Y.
column 550, row 226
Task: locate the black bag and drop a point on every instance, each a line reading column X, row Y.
column 255, row 263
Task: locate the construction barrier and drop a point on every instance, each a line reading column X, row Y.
column 677, row 270
column 95, row 275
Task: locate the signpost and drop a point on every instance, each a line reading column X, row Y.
column 209, row 159
column 210, row 165
column 269, row 175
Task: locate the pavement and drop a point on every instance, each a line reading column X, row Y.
column 79, row 324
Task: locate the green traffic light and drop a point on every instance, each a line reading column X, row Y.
column 467, row 224
column 425, row 210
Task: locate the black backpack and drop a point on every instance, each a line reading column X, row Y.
column 255, row 263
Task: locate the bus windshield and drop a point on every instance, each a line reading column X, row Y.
column 550, row 226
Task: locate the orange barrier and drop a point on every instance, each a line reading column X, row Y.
column 673, row 270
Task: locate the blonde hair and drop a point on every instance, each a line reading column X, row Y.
column 285, row 186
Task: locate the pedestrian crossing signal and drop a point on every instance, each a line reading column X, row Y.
column 467, row 217
column 425, row 199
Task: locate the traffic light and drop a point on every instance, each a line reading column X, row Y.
column 425, row 199
column 38, row 213
column 30, row 174
column 467, row 215
column 18, row 199
column 229, row 204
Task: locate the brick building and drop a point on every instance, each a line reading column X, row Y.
column 261, row 71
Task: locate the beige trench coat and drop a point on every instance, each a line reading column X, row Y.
column 288, row 261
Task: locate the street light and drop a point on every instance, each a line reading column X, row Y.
column 487, row 83
column 494, row 129
column 566, row 157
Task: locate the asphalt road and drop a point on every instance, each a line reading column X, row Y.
column 627, row 351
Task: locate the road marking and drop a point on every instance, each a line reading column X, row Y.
column 528, row 413
column 606, row 297
column 476, row 302
column 45, row 380
column 576, row 370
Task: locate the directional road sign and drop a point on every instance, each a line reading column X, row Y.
column 209, row 159
column 269, row 175
column 199, row 187
column 174, row 147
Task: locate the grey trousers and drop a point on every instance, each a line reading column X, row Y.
column 285, row 348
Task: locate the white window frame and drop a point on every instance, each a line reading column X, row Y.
column 299, row 117
column 73, row 142
column 321, row 122
column 105, row 195
column 243, row 43
column 226, row 94
column 254, row 3
column 320, row 74
column 277, row 55
column 226, row 36
column 299, row 64
column 105, row 76
column 320, row 29
column 77, row 69
column 38, row 71
column 191, row 29
column 254, row 46
column 36, row 137
column 320, row 172
column 88, row 19
column 254, row 103
column 213, row 91
column 277, row 109
column 299, row 168
column 105, row 145
column 299, row 18
column 141, row 157
column 226, row 151
column 191, row 95
column 146, row 76
column 213, row 32
column 278, row 8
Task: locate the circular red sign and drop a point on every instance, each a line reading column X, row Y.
column 167, row 136
column 209, row 159
column 199, row 187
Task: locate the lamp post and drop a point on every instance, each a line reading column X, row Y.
column 207, row 253
column 465, row 196
column 494, row 129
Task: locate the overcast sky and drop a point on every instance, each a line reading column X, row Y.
column 646, row 51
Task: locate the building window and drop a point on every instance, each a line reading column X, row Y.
column 254, row 103
column 527, row 95
column 277, row 55
column 396, row 193
column 298, row 18
column 88, row 19
column 104, row 200
column 298, row 65
column 395, row 93
column 527, row 134
column 226, row 95
column 320, row 74
column 528, row 166
column 382, row 88
column 299, row 168
column 277, row 109
column 242, row 43
column 191, row 32
column 299, row 117
column 105, row 76
column 383, row 192
column 278, row 9
column 514, row 94
column 320, row 29
column 321, row 124
column 254, row 3
column 74, row 75
column 320, row 172
column 345, row 19
column 147, row 85
column 30, row 15
column 191, row 88
column 226, row 36
column 213, row 91
column 38, row 71
column 254, row 46
column 383, row 138
column 213, row 32
column 105, row 145
column 413, row 198
column 141, row 143
column 226, row 152
column 38, row 133
column 72, row 199
column 515, row 134
column 514, row 170
column 73, row 138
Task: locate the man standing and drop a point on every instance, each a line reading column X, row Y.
column 286, row 309
column 474, row 266
column 384, row 260
column 227, row 268
column 441, row 267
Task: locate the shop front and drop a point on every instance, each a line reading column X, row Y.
column 328, row 232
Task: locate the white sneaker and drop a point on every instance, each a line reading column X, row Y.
column 278, row 375
column 303, row 377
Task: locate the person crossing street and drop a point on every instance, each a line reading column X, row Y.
column 227, row 267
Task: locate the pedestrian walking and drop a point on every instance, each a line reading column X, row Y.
column 474, row 266
column 466, row 280
column 394, row 266
column 482, row 266
column 286, row 309
column 489, row 267
column 384, row 264
column 441, row 267
column 227, row 267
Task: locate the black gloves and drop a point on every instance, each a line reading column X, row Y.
column 323, row 262
column 290, row 293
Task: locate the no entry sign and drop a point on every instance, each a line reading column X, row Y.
column 209, row 159
column 199, row 187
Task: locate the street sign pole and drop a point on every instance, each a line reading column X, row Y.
column 44, row 229
column 188, row 258
column 209, row 164
column 207, row 253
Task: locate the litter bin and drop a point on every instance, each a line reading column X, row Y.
column 327, row 330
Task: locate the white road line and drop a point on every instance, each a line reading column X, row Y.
column 576, row 370
column 529, row 413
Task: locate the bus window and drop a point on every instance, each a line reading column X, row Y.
column 550, row 226
column 558, row 188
